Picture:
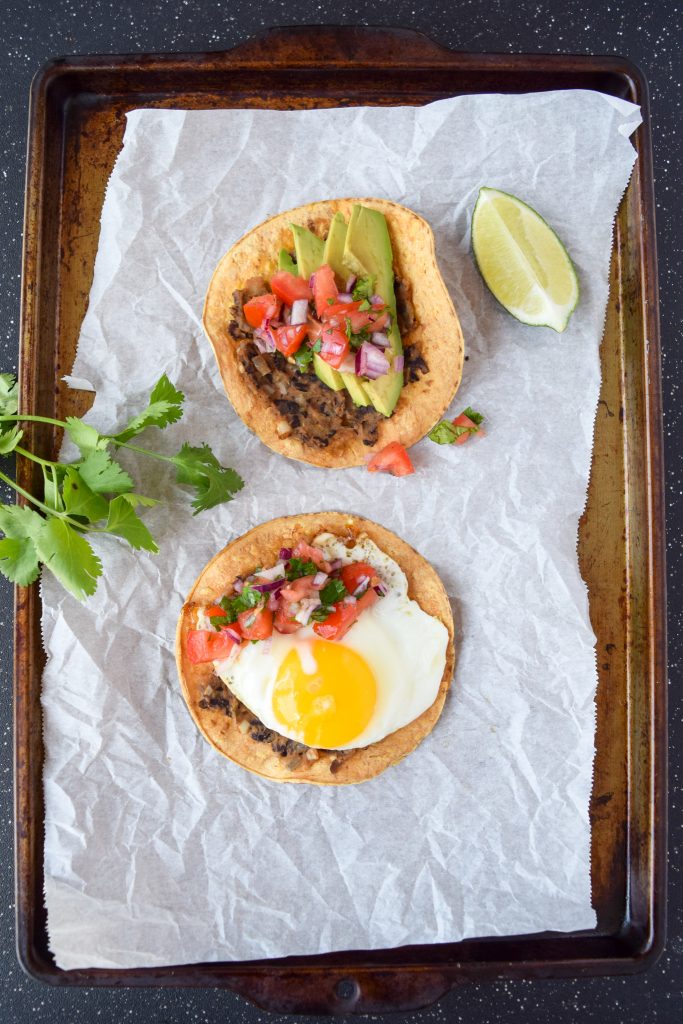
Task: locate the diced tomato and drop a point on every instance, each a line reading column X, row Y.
column 299, row 589
column 215, row 609
column 335, row 346
column 340, row 309
column 379, row 322
column 289, row 287
column 324, row 288
column 311, row 554
column 343, row 617
column 284, row 620
column 256, row 623
column 261, row 308
column 288, row 339
column 392, row 459
column 464, row 421
column 315, row 330
column 356, row 573
column 208, row 645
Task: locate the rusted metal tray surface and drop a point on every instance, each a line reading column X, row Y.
column 77, row 122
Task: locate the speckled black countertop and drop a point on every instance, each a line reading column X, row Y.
column 649, row 32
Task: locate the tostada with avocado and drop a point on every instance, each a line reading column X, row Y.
column 334, row 332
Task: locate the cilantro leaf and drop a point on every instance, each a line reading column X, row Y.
column 10, row 439
column 124, row 521
column 333, row 591
column 303, row 357
column 19, row 560
column 296, row 568
column 317, row 345
column 9, row 394
column 248, row 598
column 19, row 522
column 363, row 288
column 86, row 438
column 165, row 406
column 69, row 556
column 103, row 475
column 446, row 433
column 321, row 614
column 476, row 417
column 139, row 499
column 78, row 498
column 212, row 482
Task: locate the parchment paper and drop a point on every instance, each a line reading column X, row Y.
column 157, row 850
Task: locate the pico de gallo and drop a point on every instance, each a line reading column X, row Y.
column 347, row 329
column 300, row 589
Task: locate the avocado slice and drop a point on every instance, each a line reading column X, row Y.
column 334, row 256
column 309, row 250
column 367, row 252
column 285, row 262
column 327, row 374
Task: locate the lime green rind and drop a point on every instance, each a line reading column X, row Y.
column 567, row 311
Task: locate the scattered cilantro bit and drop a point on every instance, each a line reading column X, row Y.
column 364, row 306
column 316, row 346
column 445, row 432
column 333, row 591
column 321, row 613
column 330, row 302
column 94, row 494
column 364, row 288
column 476, row 417
column 296, row 568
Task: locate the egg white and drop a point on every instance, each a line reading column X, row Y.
column 404, row 647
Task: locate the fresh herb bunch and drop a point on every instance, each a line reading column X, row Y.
column 93, row 495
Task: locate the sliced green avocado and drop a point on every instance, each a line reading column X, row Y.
column 309, row 250
column 328, row 375
column 367, row 252
column 333, row 256
column 285, row 262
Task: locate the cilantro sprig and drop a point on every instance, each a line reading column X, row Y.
column 232, row 606
column 94, row 494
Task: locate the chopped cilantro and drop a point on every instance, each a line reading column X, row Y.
column 446, row 433
column 317, row 346
column 333, row 591
column 296, row 568
column 330, row 302
column 364, row 288
column 303, row 357
column 476, row 417
column 248, row 598
column 321, row 613
column 364, row 306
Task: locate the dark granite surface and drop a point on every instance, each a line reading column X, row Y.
column 647, row 31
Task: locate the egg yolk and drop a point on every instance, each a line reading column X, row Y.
column 328, row 703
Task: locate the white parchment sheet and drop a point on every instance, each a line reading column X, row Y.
column 159, row 851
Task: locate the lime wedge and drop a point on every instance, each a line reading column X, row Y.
column 523, row 261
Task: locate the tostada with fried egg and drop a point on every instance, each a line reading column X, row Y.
column 333, row 330
column 316, row 648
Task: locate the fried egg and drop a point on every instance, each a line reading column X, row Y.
column 338, row 695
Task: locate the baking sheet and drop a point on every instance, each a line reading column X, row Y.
column 158, row 851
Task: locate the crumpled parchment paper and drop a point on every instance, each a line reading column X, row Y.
column 158, row 851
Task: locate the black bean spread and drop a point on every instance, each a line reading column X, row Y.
column 304, row 406
column 219, row 697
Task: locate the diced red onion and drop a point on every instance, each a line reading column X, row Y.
column 379, row 338
column 350, row 281
column 269, row 588
column 382, row 589
column 398, row 363
column 362, row 585
column 285, row 554
column 306, row 609
column 299, row 312
column 311, row 282
column 264, row 341
column 337, row 564
column 273, row 324
column 334, row 321
column 238, row 585
column 233, row 634
column 371, row 361
column 349, row 599
column 275, row 573
column 273, row 601
column 376, row 300
column 266, row 644
column 344, row 297
column 320, row 579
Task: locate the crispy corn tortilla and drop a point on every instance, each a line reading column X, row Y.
column 261, row 546
column 437, row 332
